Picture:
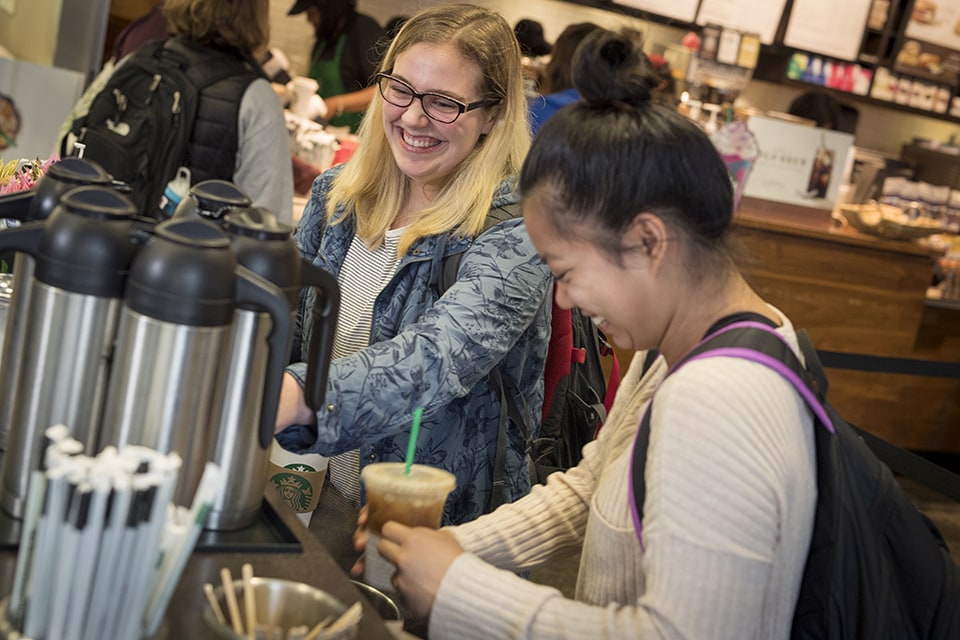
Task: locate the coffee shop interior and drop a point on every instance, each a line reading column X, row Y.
column 851, row 226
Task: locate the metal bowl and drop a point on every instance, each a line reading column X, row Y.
column 385, row 606
column 283, row 604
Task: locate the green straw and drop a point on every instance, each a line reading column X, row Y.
column 412, row 445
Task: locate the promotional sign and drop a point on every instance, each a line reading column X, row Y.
column 797, row 164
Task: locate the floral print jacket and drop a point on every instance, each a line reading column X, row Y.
column 436, row 354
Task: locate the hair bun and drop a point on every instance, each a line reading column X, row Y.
column 611, row 67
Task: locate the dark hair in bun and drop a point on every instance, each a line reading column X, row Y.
column 620, row 152
column 611, row 67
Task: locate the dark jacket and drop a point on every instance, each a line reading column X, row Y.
column 212, row 150
column 435, row 353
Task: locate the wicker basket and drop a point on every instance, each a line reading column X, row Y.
column 885, row 221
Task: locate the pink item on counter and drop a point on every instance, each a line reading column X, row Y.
column 738, row 149
column 347, row 147
column 691, row 41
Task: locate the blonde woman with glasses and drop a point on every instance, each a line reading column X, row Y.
column 440, row 147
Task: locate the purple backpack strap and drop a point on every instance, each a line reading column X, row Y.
column 748, row 340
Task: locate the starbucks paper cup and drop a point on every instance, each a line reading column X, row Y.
column 298, row 478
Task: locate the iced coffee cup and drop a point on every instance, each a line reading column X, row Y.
column 415, row 499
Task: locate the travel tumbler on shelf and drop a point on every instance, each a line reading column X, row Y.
column 181, row 294
column 82, row 253
column 243, row 425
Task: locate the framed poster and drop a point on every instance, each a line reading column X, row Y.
column 931, row 41
column 752, row 16
column 685, row 10
column 828, row 27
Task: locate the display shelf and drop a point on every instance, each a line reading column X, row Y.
column 878, row 49
column 852, row 97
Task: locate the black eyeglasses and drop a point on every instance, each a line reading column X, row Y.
column 436, row 105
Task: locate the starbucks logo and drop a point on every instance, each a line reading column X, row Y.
column 296, row 490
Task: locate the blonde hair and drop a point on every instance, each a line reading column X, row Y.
column 244, row 24
column 372, row 186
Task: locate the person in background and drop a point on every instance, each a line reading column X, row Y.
column 249, row 146
column 816, row 106
column 529, row 34
column 557, row 88
column 344, row 57
column 533, row 47
column 150, row 26
column 825, row 111
column 440, row 147
column 667, row 87
column 631, row 206
column 392, row 28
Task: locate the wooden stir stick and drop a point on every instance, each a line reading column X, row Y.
column 231, row 598
column 349, row 617
column 249, row 602
column 212, row 599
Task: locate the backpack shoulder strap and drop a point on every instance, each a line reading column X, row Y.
column 450, row 265
column 749, row 340
column 204, row 69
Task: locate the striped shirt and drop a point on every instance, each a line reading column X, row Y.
column 363, row 276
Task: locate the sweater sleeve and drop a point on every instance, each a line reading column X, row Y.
column 728, row 514
column 263, row 167
column 550, row 521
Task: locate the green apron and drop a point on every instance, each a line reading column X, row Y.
column 327, row 73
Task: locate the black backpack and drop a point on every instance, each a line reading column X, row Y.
column 576, row 406
column 576, row 393
column 140, row 123
column 877, row 567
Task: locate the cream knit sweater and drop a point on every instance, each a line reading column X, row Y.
column 728, row 516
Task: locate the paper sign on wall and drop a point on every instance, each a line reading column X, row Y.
column 828, row 27
column 754, row 16
column 679, row 9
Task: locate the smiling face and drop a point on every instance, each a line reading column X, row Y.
column 611, row 293
column 427, row 151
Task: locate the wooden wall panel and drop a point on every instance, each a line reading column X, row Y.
column 857, row 296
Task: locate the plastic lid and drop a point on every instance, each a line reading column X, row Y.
column 388, row 477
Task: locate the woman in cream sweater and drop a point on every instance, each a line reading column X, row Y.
column 630, row 206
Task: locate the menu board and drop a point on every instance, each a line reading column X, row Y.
column 931, row 44
column 678, row 9
column 754, row 16
column 828, row 27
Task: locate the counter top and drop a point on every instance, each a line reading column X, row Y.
column 859, row 294
column 310, row 562
column 817, row 224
